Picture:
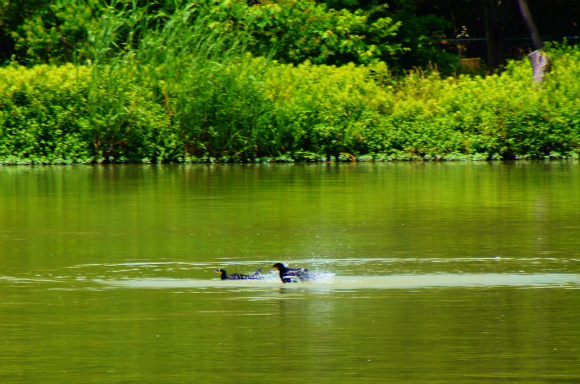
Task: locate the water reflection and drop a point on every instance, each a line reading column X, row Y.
column 438, row 272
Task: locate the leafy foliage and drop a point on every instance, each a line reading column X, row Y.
column 292, row 31
column 179, row 82
column 228, row 106
column 49, row 31
column 305, row 30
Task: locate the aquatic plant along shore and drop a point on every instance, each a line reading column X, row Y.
column 185, row 94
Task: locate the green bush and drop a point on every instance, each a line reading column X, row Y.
column 210, row 101
column 42, row 114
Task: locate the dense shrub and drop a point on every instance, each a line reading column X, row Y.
column 292, row 31
column 43, row 115
column 232, row 107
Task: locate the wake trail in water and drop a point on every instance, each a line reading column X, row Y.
column 326, row 274
column 331, row 281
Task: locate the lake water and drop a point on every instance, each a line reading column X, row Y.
column 425, row 273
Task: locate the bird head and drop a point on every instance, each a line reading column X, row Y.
column 279, row 267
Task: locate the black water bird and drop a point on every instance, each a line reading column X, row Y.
column 239, row 276
column 292, row 275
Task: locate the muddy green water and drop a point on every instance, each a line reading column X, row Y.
column 425, row 273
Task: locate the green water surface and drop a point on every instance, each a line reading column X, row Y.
column 425, row 273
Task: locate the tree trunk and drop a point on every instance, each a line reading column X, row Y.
column 496, row 12
column 540, row 61
column 530, row 24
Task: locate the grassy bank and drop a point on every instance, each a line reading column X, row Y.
column 222, row 105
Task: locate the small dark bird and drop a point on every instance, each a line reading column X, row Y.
column 292, row 275
column 239, row 276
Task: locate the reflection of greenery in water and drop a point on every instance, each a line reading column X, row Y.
column 69, row 216
column 67, row 232
column 450, row 334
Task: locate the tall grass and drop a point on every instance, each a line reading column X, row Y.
column 167, row 88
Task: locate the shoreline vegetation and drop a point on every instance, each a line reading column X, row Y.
column 185, row 94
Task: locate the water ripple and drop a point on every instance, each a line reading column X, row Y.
column 329, row 281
